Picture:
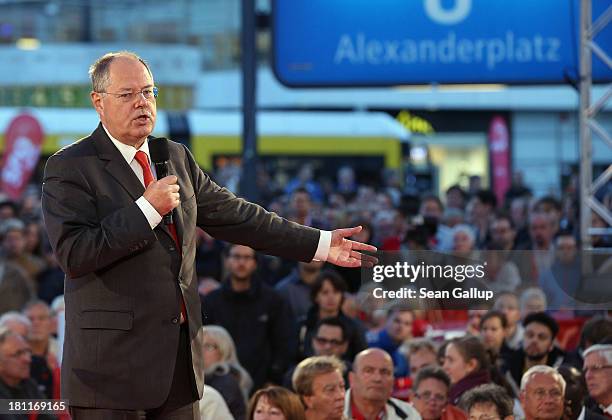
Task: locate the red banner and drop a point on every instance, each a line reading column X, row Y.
column 499, row 153
column 23, row 142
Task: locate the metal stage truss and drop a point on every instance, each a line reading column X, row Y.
column 589, row 109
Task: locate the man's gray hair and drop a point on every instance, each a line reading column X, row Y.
column 529, row 294
column 35, row 302
column 543, row 370
column 464, row 228
column 99, row 71
column 14, row 316
column 10, row 225
column 419, row 344
column 309, row 369
column 5, row 333
column 604, row 349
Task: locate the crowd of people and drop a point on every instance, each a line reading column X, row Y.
column 285, row 340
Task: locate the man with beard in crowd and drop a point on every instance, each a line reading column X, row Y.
column 538, row 348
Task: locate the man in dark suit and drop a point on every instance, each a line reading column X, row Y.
column 15, row 380
column 133, row 325
column 597, row 368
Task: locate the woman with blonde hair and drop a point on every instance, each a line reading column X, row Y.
column 275, row 403
column 223, row 371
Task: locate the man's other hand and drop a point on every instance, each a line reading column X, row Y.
column 346, row 253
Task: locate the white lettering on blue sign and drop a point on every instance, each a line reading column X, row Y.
column 358, row 49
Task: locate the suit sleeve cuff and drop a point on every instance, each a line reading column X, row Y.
column 153, row 217
column 323, row 247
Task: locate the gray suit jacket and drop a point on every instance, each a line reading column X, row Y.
column 124, row 280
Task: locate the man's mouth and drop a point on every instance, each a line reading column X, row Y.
column 143, row 117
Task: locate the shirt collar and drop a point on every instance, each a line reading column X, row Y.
column 606, row 410
column 356, row 414
column 128, row 152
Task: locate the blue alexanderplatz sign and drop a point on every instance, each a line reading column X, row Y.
column 391, row 42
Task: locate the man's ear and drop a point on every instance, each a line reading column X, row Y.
column 307, row 400
column 96, row 101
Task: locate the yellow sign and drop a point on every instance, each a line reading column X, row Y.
column 414, row 123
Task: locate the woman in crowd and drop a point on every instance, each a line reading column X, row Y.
column 275, row 403
column 327, row 295
column 223, row 370
column 467, row 364
column 488, row 401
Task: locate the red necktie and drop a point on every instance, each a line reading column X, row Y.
column 143, row 161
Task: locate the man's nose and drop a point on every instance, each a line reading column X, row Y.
column 377, row 376
column 140, row 99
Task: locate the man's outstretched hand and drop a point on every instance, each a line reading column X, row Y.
column 346, row 253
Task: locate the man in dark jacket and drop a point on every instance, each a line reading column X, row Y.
column 255, row 315
column 575, row 393
column 597, row 368
column 538, row 348
column 329, row 339
column 15, row 382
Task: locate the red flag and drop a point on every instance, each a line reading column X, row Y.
column 24, row 138
column 499, row 152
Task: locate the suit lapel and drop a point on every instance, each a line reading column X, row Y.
column 116, row 165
